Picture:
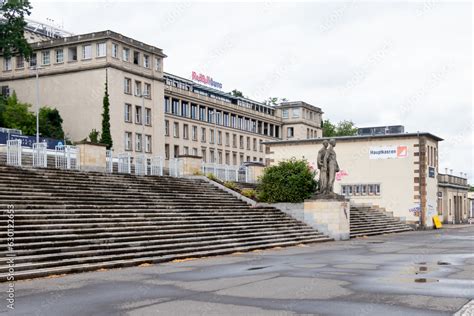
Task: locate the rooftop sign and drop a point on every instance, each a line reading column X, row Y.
column 206, row 80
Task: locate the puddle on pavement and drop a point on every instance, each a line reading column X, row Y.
column 257, row 268
column 425, row 280
column 442, row 263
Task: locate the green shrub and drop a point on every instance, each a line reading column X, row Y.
column 289, row 181
column 212, row 177
column 230, row 185
column 250, row 193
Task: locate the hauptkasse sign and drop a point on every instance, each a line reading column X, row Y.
column 388, row 152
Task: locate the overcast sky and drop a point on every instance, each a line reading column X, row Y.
column 375, row 63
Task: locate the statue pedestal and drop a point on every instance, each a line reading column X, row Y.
column 329, row 216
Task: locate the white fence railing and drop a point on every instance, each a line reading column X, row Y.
column 175, row 165
column 141, row 165
column 109, row 161
column 66, row 157
column 124, row 163
column 156, row 166
column 40, row 155
column 222, row 172
column 14, row 152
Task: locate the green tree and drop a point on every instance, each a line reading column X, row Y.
column 94, row 136
column 106, row 137
column 274, row 100
column 3, row 104
column 343, row 128
column 50, row 123
column 12, row 39
column 17, row 115
column 237, row 93
column 289, row 181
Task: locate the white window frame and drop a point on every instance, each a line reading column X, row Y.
column 138, row 142
column 7, row 63
column 138, row 114
column 115, row 50
column 86, row 52
column 148, row 116
column 126, row 54
column 148, row 147
column 128, row 112
column 101, row 49
column 46, row 58
column 146, row 61
column 128, row 141
column 59, row 56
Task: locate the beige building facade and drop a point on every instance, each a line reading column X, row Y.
column 453, row 199
column 397, row 172
column 72, row 75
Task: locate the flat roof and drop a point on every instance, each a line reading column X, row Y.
column 356, row 137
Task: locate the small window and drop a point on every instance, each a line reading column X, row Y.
column 126, row 54
column 167, row 128
column 148, row 116
column 185, row 131
column 146, row 61
column 127, row 86
column 138, row 114
column 148, row 143
column 7, row 63
column 157, row 64
column 20, row 62
column 167, row 151
column 296, row 113
column 138, row 88
column 195, row 132
column 147, row 90
column 72, row 54
column 203, row 134
column 176, row 129
column 138, row 142
column 86, row 52
column 128, row 141
column 59, row 56
column 46, row 57
column 115, row 49
column 33, row 60
column 136, row 57
column 101, row 49
column 284, row 113
column 290, row 132
column 128, row 112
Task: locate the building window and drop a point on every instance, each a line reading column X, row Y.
column 195, row 151
column 33, row 60
column 227, row 139
column 72, row 53
column 202, row 113
column 126, row 54
column 138, row 88
column 148, row 143
column 248, row 143
column 46, row 57
column 193, row 111
column 136, row 57
column 167, row 128
column 147, row 90
column 184, row 109
column 87, row 51
column 128, row 141
column 157, row 64
column 59, row 56
column 234, row 140
column 101, row 49
column 167, row 105
column 241, row 142
column 127, row 86
column 194, row 132
column 260, row 145
column 138, row 114
column 290, row 132
column 227, row 158
column 175, row 106
column 176, row 129
column 138, row 142
column 167, row 151
column 219, row 138
column 115, row 49
column 284, row 113
column 212, row 156
column 146, row 61
column 203, row 154
column 20, row 62
column 203, row 134
column 219, row 154
column 211, row 140
column 185, row 131
column 128, row 112
column 254, row 144
column 176, row 151
column 296, row 113
column 148, row 116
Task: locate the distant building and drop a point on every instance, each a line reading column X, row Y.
column 381, row 130
column 453, row 204
column 397, row 172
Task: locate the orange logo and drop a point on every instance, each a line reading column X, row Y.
column 402, row 151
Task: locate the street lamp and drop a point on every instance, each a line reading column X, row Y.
column 37, row 68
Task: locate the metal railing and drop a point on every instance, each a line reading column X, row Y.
column 124, row 163
column 109, row 161
column 156, row 166
column 66, row 157
column 141, row 165
column 14, row 152
column 40, row 155
column 222, row 172
column 174, row 167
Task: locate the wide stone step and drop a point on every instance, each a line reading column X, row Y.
column 114, row 263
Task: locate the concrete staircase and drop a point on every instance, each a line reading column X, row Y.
column 71, row 221
column 368, row 220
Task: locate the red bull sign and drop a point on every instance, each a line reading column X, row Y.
column 205, row 80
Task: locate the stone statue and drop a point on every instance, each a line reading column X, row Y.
column 323, row 175
column 330, row 164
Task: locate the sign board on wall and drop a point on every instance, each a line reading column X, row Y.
column 207, row 80
column 388, row 152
